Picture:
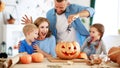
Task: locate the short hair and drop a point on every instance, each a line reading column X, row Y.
column 29, row 28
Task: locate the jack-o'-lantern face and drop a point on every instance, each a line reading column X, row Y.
column 67, row 50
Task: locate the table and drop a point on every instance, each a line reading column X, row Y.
column 48, row 64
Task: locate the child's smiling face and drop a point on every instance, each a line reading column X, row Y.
column 43, row 29
column 34, row 35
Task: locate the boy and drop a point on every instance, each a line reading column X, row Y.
column 31, row 33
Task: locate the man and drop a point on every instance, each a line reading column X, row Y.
column 65, row 22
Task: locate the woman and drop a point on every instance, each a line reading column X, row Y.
column 45, row 41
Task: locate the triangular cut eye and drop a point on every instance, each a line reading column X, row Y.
column 63, row 46
column 75, row 48
column 69, row 47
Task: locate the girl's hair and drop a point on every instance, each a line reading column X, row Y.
column 29, row 28
column 40, row 20
column 100, row 29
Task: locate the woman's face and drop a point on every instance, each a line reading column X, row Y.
column 43, row 30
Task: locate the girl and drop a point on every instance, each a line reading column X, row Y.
column 94, row 44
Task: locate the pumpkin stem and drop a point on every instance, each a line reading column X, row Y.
column 11, row 17
column 114, row 52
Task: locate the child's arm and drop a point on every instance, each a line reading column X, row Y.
column 21, row 47
column 103, row 48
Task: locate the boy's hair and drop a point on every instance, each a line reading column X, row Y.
column 100, row 29
column 28, row 28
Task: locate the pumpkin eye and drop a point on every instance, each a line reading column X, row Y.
column 63, row 46
column 69, row 47
column 75, row 48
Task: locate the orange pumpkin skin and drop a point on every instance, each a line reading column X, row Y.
column 37, row 57
column 83, row 55
column 25, row 59
column 67, row 50
column 2, row 6
column 113, row 57
column 118, row 59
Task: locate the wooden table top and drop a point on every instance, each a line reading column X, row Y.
column 49, row 64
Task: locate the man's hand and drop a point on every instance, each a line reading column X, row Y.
column 27, row 20
column 72, row 17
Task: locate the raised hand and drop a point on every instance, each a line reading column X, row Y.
column 26, row 20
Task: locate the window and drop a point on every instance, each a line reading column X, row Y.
column 107, row 13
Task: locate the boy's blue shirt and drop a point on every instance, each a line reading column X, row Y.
column 25, row 47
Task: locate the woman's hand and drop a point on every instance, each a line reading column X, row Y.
column 37, row 49
column 26, row 20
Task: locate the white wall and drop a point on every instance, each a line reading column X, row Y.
column 1, row 29
column 81, row 2
column 107, row 12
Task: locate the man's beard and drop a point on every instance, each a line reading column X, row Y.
column 60, row 13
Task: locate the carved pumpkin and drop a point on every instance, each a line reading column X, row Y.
column 11, row 20
column 37, row 57
column 114, row 53
column 118, row 59
column 82, row 55
column 25, row 59
column 67, row 50
column 2, row 6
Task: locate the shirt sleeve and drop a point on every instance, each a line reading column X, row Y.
column 103, row 48
column 80, row 8
column 22, row 47
column 52, row 46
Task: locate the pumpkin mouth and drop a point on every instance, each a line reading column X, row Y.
column 68, row 54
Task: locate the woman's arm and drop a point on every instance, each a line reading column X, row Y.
column 52, row 46
column 37, row 49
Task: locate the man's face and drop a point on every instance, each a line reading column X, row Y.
column 60, row 7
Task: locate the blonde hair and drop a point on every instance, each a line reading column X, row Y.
column 29, row 28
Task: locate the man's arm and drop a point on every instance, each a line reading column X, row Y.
column 83, row 13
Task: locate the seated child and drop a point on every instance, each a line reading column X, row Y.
column 94, row 44
column 31, row 33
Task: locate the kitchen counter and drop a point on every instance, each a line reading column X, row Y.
column 47, row 64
